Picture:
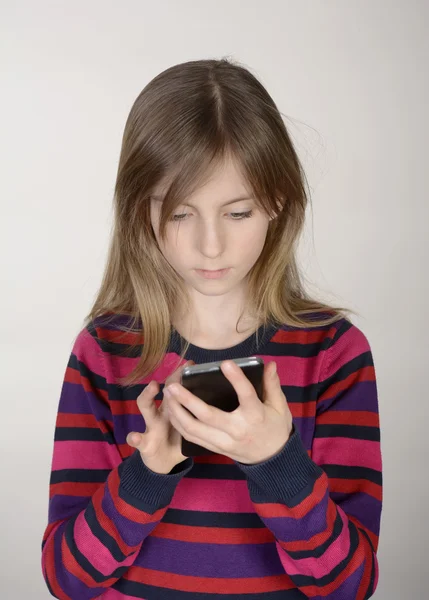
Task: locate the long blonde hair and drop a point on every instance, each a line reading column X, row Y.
column 187, row 120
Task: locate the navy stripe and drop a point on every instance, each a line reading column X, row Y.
column 347, row 472
column 357, row 432
column 83, row 561
column 213, row 519
column 351, row 367
column 79, row 475
column 96, row 380
column 317, row 552
column 142, row 590
column 87, row 434
column 105, row 538
column 304, row 580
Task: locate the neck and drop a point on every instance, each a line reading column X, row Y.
column 219, row 317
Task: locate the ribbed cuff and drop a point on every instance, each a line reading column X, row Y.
column 284, row 475
column 154, row 489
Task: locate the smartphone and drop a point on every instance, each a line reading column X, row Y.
column 210, row 385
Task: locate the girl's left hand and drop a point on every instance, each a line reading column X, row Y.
column 252, row 433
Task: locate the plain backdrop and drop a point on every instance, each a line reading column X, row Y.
column 351, row 80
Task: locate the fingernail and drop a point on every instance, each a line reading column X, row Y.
column 274, row 373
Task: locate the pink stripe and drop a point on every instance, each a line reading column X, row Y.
column 323, row 565
column 348, row 452
column 297, row 371
column 217, row 495
column 86, row 348
column 84, row 455
column 350, row 345
column 114, row 595
column 98, row 555
column 376, row 572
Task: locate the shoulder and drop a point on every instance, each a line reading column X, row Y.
column 111, row 333
column 332, row 343
column 345, row 346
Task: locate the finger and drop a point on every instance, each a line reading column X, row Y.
column 134, row 439
column 176, row 376
column 246, row 392
column 146, row 403
column 210, row 415
column 195, row 431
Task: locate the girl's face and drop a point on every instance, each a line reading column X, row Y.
column 210, row 232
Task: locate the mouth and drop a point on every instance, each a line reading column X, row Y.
column 212, row 274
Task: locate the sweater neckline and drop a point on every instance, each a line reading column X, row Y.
column 252, row 345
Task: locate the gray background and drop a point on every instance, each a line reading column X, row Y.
column 351, row 78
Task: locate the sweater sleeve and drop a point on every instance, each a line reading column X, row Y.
column 101, row 507
column 325, row 511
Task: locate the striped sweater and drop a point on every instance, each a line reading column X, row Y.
column 303, row 524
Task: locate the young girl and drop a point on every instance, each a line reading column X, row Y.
column 209, row 205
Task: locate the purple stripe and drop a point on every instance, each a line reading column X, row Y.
column 360, row 396
column 63, row 507
column 123, row 424
column 362, row 506
column 70, row 584
column 75, row 400
column 287, row 529
column 131, row 532
column 305, row 426
column 210, row 560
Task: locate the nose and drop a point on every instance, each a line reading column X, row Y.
column 211, row 238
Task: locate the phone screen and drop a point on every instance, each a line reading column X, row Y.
column 210, row 385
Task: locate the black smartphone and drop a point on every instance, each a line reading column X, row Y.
column 210, row 385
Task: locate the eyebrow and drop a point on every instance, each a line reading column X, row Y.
column 238, row 199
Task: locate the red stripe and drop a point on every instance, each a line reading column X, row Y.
column 366, row 577
column 353, row 486
column 50, row 570
column 273, row 509
column 318, row 539
column 74, row 376
column 129, row 407
column 349, row 417
column 126, row 510
column 72, row 420
column 372, row 536
column 71, row 564
column 194, row 584
column 363, row 374
column 107, row 524
column 352, row 566
column 213, row 535
column 70, row 488
column 119, row 337
column 304, row 338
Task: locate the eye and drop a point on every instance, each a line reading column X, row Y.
column 235, row 216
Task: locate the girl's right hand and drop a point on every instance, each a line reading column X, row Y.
column 160, row 445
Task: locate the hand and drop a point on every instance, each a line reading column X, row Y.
column 252, row 433
column 160, row 445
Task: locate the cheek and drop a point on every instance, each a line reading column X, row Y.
column 254, row 241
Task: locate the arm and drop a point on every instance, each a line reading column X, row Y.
column 325, row 512
column 101, row 508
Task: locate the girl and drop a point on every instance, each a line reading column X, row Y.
column 209, row 205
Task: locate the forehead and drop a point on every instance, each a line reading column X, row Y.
column 240, row 198
column 224, row 185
